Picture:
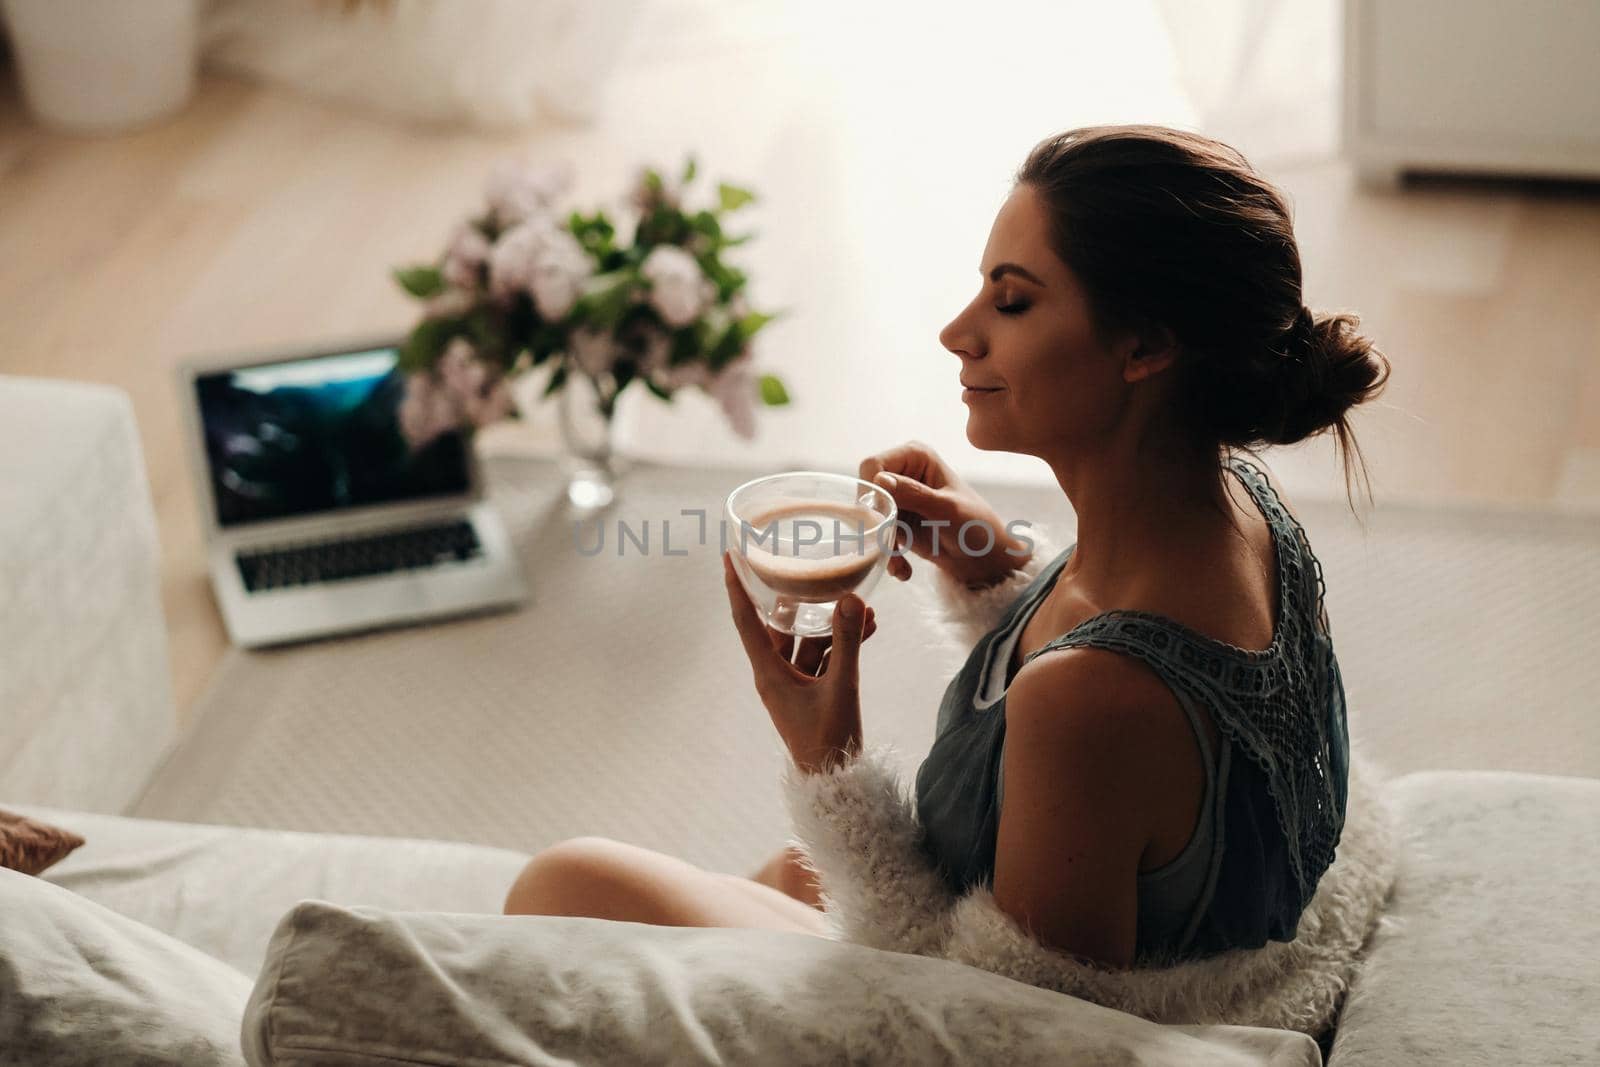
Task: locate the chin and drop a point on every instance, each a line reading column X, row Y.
column 983, row 435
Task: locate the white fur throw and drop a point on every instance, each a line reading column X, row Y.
column 859, row 829
column 965, row 615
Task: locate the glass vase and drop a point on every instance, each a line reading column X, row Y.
column 587, row 407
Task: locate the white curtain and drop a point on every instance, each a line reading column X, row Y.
column 1263, row 75
column 491, row 63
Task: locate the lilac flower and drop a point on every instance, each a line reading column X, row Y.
column 448, row 304
column 734, row 389
column 682, row 376
column 496, row 404
column 542, row 260
column 560, row 268
column 594, row 351
column 654, row 352
column 465, row 256
column 678, row 290
column 514, row 256
column 427, row 410
column 464, row 376
column 519, row 191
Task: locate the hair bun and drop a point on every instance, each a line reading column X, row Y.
column 1328, row 368
column 1302, row 332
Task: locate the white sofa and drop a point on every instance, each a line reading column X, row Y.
column 86, row 707
column 1490, row 954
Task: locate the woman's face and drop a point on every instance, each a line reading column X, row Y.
column 1036, row 375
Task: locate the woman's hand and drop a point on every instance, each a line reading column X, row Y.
column 815, row 702
column 937, row 504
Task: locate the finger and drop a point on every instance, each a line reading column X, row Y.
column 899, row 567
column 870, row 627
column 913, row 496
column 809, row 657
column 849, row 616
column 782, row 643
column 752, row 631
column 913, row 459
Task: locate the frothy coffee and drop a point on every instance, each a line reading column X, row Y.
column 816, row 550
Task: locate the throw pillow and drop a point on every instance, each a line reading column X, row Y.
column 360, row 987
column 29, row 846
column 81, row 984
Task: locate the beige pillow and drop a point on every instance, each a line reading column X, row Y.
column 361, row 987
column 81, row 984
column 31, row 847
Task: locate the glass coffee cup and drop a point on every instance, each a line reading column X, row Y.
column 802, row 539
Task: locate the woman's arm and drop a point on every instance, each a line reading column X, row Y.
column 1072, row 829
column 1079, row 805
column 861, row 833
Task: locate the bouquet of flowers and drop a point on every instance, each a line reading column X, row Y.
column 522, row 285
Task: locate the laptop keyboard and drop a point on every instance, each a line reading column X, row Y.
column 412, row 548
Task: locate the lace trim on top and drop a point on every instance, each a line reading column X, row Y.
column 1271, row 701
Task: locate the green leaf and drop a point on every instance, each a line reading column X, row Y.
column 663, row 226
column 727, row 347
column 594, row 232
column 546, row 341
column 735, row 242
column 427, row 341
column 606, row 299
column 420, row 282
column 728, row 280
column 689, row 344
column 732, row 197
column 558, row 378
column 689, row 171
column 657, row 390
column 773, row 394
column 751, row 324
column 705, row 222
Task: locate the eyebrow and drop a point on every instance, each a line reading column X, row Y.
column 1002, row 269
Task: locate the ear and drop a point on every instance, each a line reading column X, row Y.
column 1153, row 351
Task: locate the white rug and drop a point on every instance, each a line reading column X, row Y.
column 619, row 703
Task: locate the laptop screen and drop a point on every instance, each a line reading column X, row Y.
column 323, row 433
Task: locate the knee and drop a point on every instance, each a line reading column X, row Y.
column 799, row 878
column 569, row 878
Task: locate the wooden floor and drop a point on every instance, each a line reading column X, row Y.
column 259, row 217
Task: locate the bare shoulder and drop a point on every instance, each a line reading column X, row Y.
column 1109, row 721
column 1073, row 693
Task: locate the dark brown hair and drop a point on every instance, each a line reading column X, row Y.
column 1170, row 229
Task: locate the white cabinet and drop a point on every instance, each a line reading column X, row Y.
column 1472, row 86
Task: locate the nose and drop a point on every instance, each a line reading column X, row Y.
column 961, row 338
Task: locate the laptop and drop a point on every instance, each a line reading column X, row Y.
column 333, row 504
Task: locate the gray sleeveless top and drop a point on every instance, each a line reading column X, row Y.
column 1274, row 799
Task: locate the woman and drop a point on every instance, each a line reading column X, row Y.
column 1141, row 773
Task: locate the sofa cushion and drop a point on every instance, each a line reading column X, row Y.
column 85, row 688
column 222, row 889
column 367, row 987
column 30, row 846
column 1490, row 953
column 81, row 984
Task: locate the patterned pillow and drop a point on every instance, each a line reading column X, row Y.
column 31, row 847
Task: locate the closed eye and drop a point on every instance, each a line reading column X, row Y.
column 1012, row 309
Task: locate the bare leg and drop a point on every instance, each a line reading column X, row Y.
column 789, row 873
column 604, row 879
